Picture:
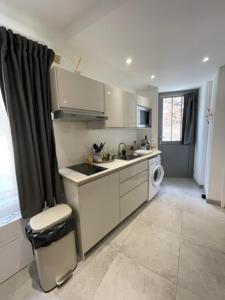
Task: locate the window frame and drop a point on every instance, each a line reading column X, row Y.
column 160, row 119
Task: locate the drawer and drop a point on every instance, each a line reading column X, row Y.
column 133, row 182
column 133, row 199
column 133, row 170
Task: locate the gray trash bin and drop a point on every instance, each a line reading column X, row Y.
column 51, row 233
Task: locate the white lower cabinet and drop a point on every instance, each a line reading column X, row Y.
column 103, row 203
column 133, row 188
column 96, row 209
column 134, row 170
column 99, row 208
column 133, row 182
column 133, row 199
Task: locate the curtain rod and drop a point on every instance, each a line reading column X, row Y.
column 57, row 57
column 179, row 92
column 25, row 35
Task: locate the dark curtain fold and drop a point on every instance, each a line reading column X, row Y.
column 189, row 118
column 25, row 87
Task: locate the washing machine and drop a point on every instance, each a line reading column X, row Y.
column 156, row 174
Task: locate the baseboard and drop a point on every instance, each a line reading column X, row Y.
column 215, row 202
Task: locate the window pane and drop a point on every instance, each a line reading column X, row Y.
column 8, row 188
column 177, row 118
column 166, row 122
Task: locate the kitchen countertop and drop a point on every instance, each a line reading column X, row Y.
column 114, row 166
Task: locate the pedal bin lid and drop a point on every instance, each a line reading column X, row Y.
column 50, row 217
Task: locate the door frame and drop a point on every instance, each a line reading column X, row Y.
column 165, row 95
column 160, row 111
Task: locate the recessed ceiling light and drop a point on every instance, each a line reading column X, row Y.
column 152, row 76
column 128, row 61
column 205, row 59
column 108, row 92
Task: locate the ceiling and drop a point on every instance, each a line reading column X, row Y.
column 167, row 38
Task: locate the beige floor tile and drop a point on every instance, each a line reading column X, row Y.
column 190, row 202
column 184, row 186
column 183, row 294
column 129, row 280
column 10, row 285
column 154, row 248
column 31, row 291
column 164, row 216
column 215, row 211
column 204, row 230
column 116, row 237
column 88, row 276
column 202, row 271
column 23, row 285
column 141, row 257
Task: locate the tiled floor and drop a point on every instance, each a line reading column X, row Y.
column 171, row 248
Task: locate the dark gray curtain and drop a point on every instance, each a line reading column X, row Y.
column 189, row 118
column 25, row 87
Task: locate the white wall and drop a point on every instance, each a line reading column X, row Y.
column 215, row 160
column 205, row 93
column 152, row 93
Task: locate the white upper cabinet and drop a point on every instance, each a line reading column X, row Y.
column 72, row 90
column 144, row 101
column 130, row 110
column 120, row 107
column 114, row 106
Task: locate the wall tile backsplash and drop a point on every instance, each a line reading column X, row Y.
column 74, row 140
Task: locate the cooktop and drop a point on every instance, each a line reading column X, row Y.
column 87, row 169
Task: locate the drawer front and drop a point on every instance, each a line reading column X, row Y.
column 133, row 182
column 133, row 170
column 130, row 201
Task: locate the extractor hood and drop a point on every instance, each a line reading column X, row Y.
column 77, row 115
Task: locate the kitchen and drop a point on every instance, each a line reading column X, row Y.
column 111, row 136
column 110, row 108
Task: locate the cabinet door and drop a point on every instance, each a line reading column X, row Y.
column 144, row 101
column 129, row 109
column 79, row 92
column 99, row 208
column 114, row 107
column 120, row 107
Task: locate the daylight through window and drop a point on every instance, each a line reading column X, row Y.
column 172, row 118
column 9, row 203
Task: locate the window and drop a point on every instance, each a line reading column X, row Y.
column 8, row 187
column 172, row 119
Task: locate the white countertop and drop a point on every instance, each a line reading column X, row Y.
column 117, row 164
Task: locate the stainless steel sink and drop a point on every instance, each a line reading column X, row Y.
column 129, row 156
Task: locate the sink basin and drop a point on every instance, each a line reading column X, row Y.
column 143, row 152
column 129, row 156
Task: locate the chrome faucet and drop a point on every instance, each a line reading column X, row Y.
column 119, row 148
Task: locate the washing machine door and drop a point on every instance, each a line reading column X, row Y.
column 157, row 175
